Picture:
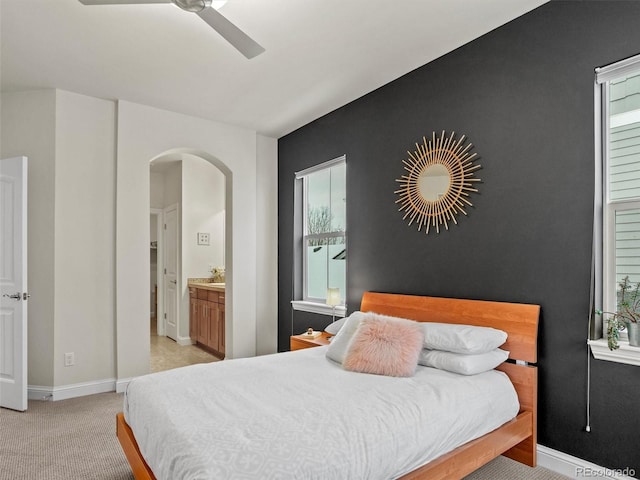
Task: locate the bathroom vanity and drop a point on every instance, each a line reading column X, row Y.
column 207, row 316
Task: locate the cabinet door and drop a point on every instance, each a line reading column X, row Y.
column 193, row 315
column 214, row 322
column 203, row 322
column 221, row 320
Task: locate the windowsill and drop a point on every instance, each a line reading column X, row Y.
column 625, row 354
column 321, row 308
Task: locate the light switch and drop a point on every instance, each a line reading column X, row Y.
column 203, row 239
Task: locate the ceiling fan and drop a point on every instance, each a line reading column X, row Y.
column 204, row 9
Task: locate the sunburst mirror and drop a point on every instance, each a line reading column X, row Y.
column 439, row 180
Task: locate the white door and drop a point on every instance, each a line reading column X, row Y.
column 157, row 274
column 13, row 283
column 171, row 271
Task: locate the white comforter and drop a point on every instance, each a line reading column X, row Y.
column 299, row 415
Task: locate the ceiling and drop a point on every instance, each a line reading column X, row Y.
column 320, row 54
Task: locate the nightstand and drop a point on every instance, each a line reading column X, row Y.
column 299, row 341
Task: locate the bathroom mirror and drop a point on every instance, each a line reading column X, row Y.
column 439, row 180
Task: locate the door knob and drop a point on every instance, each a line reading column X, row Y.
column 173, row 281
column 25, row 295
column 15, row 296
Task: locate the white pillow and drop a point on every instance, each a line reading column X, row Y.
column 340, row 343
column 466, row 339
column 460, row 363
column 334, row 327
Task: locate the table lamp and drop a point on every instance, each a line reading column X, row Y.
column 333, row 299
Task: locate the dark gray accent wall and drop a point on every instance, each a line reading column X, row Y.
column 524, row 96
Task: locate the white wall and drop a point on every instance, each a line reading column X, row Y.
column 267, row 244
column 84, row 238
column 203, row 210
column 73, row 257
column 157, row 190
column 28, row 128
column 173, row 186
column 143, row 134
column 70, row 142
column 203, row 196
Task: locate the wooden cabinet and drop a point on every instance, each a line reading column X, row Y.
column 207, row 319
column 298, row 342
column 221, row 320
column 202, row 321
column 193, row 313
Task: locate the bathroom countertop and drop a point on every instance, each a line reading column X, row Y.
column 216, row 287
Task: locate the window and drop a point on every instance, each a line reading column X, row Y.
column 618, row 132
column 322, row 238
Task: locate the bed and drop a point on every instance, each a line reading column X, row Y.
column 306, row 441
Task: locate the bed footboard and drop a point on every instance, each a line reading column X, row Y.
column 473, row 455
column 139, row 467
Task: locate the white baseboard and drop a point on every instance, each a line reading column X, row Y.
column 121, row 385
column 184, row 341
column 574, row 467
column 37, row 392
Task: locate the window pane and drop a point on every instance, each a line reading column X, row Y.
column 326, row 200
column 624, row 138
column 628, row 245
column 318, row 202
column 317, row 252
column 624, row 93
column 337, row 265
column 625, row 162
column 324, row 235
column 326, row 266
column 338, row 198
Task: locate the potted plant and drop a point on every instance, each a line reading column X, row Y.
column 627, row 315
column 218, row 274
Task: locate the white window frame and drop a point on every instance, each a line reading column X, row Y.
column 605, row 210
column 307, row 304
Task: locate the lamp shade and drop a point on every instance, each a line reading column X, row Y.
column 333, row 297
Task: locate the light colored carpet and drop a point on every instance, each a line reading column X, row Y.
column 503, row 468
column 75, row 439
column 67, row 439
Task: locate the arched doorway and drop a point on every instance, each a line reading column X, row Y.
column 249, row 162
column 194, row 185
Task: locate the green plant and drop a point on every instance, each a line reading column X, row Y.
column 628, row 311
column 614, row 327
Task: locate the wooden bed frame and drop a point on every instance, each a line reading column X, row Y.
column 516, row 439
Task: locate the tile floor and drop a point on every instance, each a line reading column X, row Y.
column 167, row 354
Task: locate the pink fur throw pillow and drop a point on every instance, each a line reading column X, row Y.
column 385, row 346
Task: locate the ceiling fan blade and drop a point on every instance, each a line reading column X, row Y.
column 232, row 34
column 121, row 2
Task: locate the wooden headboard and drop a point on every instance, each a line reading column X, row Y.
column 519, row 320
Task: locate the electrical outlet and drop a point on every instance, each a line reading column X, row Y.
column 69, row 359
column 203, row 238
